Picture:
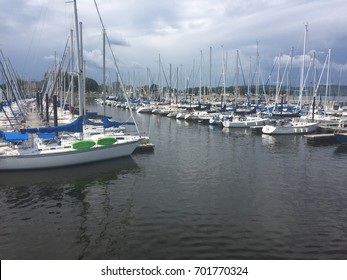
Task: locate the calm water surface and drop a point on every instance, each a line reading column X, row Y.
column 204, row 193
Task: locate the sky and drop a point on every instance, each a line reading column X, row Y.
column 33, row 35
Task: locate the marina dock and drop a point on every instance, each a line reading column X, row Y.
column 32, row 118
column 326, row 135
column 321, row 138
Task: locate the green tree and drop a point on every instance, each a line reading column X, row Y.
column 91, row 85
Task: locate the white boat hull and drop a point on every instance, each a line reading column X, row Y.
column 245, row 123
column 180, row 116
column 145, row 110
column 292, row 128
column 51, row 158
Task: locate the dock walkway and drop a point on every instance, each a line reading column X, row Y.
column 32, row 118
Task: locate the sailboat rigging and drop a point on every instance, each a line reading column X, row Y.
column 294, row 126
column 39, row 148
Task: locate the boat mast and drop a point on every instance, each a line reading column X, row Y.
column 159, row 79
column 278, row 79
column 72, row 100
column 176, row 95
column 210, row 90
column 116, row 66
column 200, row 77
column 104, row 70
column 327, row 87
column 313, row 85
column 303, row 67
column 224, row 80
column 237, row 78
column 248, row 96
column 257, row 75
column 289, row 79
column 80, row 63
column 170, row 86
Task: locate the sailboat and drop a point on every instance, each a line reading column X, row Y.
column 245, row 121
column 47, row 151
column 39, row 148
column 292, row 126
column 244, row 117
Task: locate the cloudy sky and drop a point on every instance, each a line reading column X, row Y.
column 181, row 31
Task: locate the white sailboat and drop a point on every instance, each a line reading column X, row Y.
column 320, row 112
column 241, row 117
column 147, row 109
column 245, row 121
column 290, row 127
column 293, row 126
column 39, row 148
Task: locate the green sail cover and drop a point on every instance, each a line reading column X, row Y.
column 104, row 141
column 83, row 144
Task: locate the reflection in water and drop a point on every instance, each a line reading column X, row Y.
column 268, row 140
column 80, row 176
column 64, row 208
column 104, row 210
column 341, row 149
column 237, row 131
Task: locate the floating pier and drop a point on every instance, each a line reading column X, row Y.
column 321, row 138
column 144, row 145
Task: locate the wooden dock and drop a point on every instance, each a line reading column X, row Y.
column 321, row 138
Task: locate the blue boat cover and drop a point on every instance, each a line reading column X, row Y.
column 15, row 136
column 46, row 135
column 107, row 123
column 75, row 126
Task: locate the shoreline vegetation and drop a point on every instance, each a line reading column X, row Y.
column 94, row 90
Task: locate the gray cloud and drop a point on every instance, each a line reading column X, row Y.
column 178, row 30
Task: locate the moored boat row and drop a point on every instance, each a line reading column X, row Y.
column 271, row 125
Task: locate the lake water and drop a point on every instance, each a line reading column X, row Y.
column 204, row 193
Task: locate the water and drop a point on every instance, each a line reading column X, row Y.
column 204, row 193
